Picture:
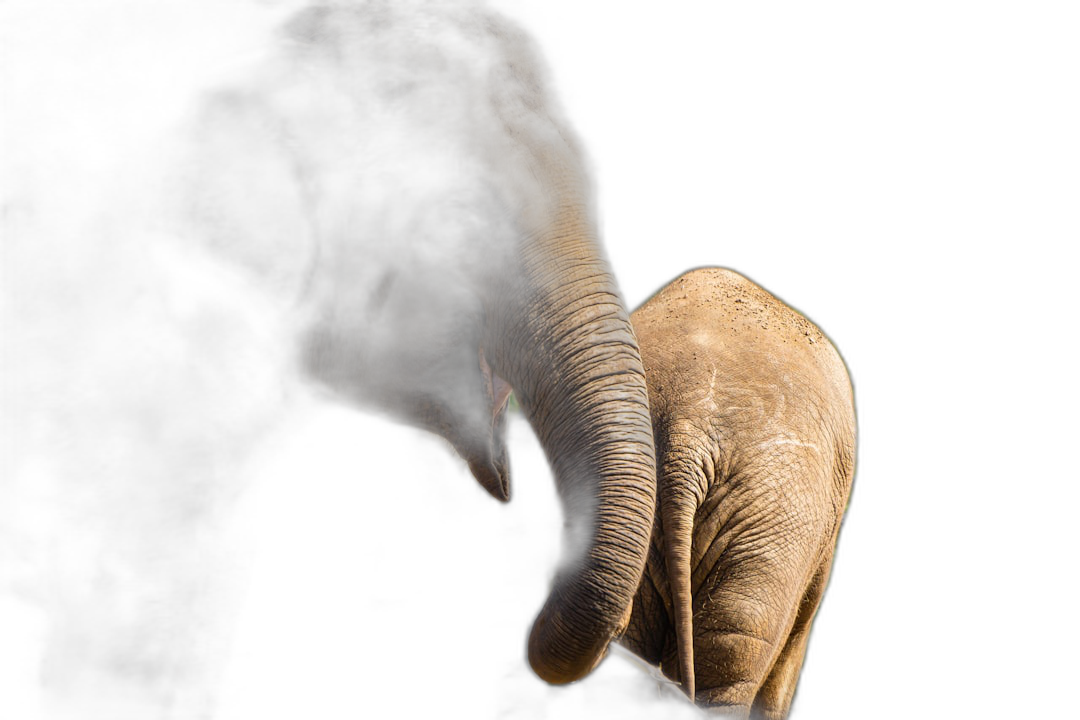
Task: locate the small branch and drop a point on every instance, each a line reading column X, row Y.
column 662, row 680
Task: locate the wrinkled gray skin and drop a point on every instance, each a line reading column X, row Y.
column 381, row 202
column 755, row 437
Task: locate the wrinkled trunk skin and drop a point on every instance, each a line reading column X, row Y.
column 606, row 488
column 530, row 303
column 558, row 331
column 570, row 353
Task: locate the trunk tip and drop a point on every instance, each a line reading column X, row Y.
column 561, row 657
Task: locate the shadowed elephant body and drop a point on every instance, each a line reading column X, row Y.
column 382, row 201
column 754, row 426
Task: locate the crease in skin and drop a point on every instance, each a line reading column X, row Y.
column 790, row 441
column 708, row 400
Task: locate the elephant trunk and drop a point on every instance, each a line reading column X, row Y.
column 607, row 487
column 574, row 363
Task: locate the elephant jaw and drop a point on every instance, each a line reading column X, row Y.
column 487, row 460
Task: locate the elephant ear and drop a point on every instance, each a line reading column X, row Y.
column 243, row 190
column 487, row 458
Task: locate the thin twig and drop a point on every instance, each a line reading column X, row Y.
column 662, row 680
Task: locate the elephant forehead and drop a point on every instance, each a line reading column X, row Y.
column 389, row 43
column 535, row 173
column 517, row 138
column 481, row 92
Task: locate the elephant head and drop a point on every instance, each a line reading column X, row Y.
column 443, row 249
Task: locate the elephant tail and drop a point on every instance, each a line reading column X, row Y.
column 678, row 506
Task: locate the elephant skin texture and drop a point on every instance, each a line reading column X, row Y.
column 754, row 425
column 377, row 203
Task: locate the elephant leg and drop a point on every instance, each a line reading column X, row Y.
column 773, row 701
column 744, row 617
column 737, row 633
column 215, row 614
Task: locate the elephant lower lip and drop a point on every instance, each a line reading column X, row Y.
column 487, row 458
column 499, row 425
column 496, row 390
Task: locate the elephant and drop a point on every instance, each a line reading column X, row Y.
column 754, row 423
column 223, row 219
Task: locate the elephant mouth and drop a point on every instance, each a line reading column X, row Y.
column 490, row 466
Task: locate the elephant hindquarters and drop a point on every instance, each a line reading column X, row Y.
column 773, row 700
column 763, row 543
